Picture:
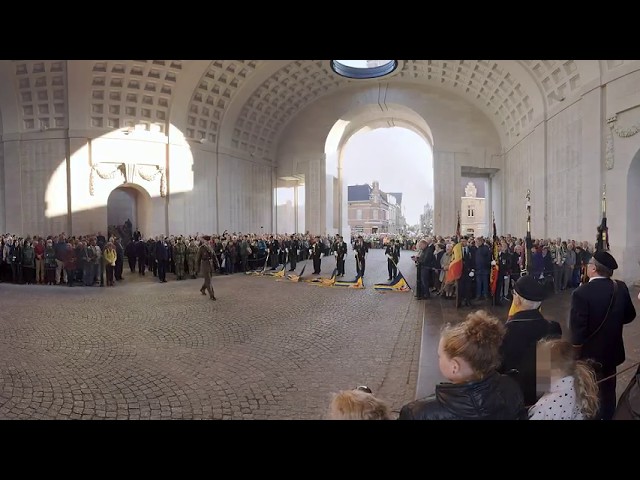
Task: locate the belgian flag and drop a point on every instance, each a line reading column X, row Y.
column 454, row 271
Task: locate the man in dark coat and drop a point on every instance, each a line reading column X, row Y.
column 463, row 296
column 599, row 309
column 316, row 255
column 392, row 251
column 360, row 248
column 341, row 251
column 525, row 327
column 162, row 258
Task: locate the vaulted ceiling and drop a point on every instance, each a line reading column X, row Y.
column 249, row 102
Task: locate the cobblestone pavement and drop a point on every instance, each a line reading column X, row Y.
column 266, row 349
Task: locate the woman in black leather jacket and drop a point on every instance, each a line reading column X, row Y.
column 468, row 357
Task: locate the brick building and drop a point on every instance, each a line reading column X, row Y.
column 372, row 211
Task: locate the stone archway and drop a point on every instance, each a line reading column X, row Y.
column 359, row 120
column 129, row 202
column 632, row 250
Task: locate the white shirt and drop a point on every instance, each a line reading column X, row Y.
column 559, row 403
column 596, row 278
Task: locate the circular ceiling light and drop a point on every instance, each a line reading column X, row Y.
column 364, row 68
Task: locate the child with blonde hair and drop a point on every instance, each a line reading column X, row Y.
column 570, row 384
column 358, row 404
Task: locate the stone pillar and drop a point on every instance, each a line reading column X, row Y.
column 315, row 195
column 446, row 201
column 13, row 187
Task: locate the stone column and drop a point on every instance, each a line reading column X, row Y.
column 446, row 202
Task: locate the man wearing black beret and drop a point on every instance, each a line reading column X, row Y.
column 599, row 309
column 525, row 327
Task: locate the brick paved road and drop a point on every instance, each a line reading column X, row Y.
column 266, row 349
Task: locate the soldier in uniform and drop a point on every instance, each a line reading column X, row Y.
column 599, row 310
column 192, row 252
column 392, row 251
column 151, row 255
column 162, row 258
column 273, row 252
column 141, row 255
column 341, row 250
column 179, row 253
column 360, row 248
column 292, row 249
column 316, row 255
column 204, row 260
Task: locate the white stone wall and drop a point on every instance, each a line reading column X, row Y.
column 244, row 198
column 623, row 179
column 524, row 168
column 446, row 193
column 3, row 223
column 38, row 162
column 192, row 196
column 564, row 176
column 28, row 167
column 563, row 162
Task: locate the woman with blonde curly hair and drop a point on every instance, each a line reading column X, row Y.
column 570, row 384
column 468, row 357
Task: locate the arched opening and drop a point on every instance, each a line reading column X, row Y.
column 399, row 131
column 633, row 220
column 129, row 203
column 389, row 178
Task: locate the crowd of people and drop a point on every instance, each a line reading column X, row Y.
column 558, row 264
column 88, row 259
column 495, row 370
column 524, row 367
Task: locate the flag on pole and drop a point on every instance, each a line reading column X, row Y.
column 602, row 238
column 454, row 272
column 493, row 279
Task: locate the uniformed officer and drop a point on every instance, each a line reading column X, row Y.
column 316, row 254
column 204, row 261
column 179, row 254
column 392, row 251
column 360, row 249
column 192, row 252
column 340, row 249
column 599, row 309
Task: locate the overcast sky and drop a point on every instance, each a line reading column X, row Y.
column 397, row 158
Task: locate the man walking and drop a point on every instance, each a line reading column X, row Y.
column 599, row 309
column 203, row 262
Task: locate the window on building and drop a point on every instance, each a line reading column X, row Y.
column 358, row 214
column 470, row 212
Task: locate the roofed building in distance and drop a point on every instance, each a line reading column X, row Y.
column 372, row 211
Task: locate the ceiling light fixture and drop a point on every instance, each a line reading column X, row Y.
column 363, row 69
